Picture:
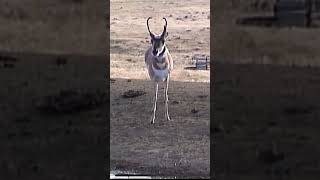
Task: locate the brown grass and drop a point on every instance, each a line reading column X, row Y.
column 130, row 39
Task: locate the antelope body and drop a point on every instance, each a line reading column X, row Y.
column 159, row 64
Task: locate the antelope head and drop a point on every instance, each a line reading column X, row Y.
column 158, row 41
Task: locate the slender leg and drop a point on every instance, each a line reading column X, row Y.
column 166, row 98
column 155, row 101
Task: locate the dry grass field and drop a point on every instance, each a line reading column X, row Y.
column 261, row 45
column 180, row 148
column 189, row 34
column 266, row 110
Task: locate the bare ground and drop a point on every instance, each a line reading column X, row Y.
column 60, row 143
column 168, row 148
column 266, row 121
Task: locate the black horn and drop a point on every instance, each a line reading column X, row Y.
column 164, row 27
column 148, row 26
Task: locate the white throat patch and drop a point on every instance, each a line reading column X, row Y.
column 158, row 54
column 160, row 75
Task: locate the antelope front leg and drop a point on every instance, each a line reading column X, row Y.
column 155, row 102
column 166, row 98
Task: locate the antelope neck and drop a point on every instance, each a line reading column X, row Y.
column 159, row 62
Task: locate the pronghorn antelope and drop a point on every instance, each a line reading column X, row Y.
column 159, row 64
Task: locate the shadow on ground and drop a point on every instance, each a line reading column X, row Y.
column 266, row 121
column 52, row 116
column 167, row 148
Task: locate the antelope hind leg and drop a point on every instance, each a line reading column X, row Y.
column 166, row 99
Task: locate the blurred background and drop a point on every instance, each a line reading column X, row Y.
column 59, row 26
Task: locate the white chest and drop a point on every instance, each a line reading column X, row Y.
column 160, row 75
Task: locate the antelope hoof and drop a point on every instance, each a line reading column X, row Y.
column 168, row 118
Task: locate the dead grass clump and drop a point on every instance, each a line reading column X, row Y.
column 68, row 101
column 133, row 94
column 61, row 61
column 4, row 58
column 7, row 61
column 296, row 110
column 194, row 111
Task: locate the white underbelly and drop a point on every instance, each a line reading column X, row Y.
column 160, row 75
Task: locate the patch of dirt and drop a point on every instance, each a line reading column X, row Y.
column 38, row 145
column 132, row 93
column 180, row 147
column 69, row 101
column 266, row 125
